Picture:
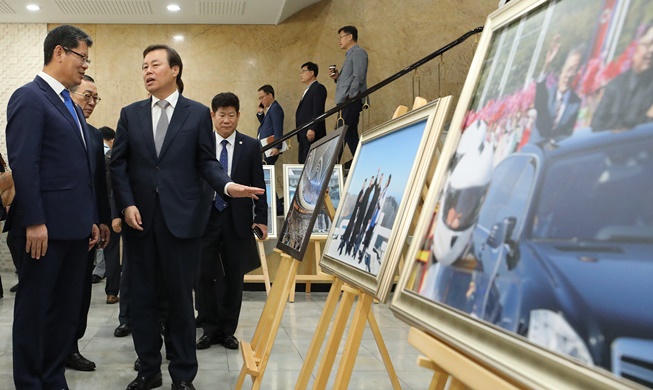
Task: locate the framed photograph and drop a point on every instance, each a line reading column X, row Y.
column 291, row 174
column 309, row 195
column 270, row 194
column 533, row 249
column 383, row 189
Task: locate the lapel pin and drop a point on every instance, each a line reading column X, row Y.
column 241, row 142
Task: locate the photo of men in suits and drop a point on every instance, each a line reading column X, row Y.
column 310, row 106
column 55, row 213
column 163, row 155
column 228, row 244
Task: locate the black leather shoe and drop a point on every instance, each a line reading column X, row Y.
column 14, row 288
column 78, row 362
column 122, row 330
column 183, row 385
column 206, row 341
column 143, row 383
column 95, row 279
column 228, row 341
column 137, row 364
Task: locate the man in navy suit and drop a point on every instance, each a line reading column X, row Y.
column 163, row 153
column 55, row 210
column 310, row 106
column 228, row 245
column 270, row 116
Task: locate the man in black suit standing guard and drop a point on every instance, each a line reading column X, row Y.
column 228, row 244
column 310, row 106
column 163, row 153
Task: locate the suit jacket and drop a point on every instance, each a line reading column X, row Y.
column 311, row 106
column 545, row 104
column 622, row 106
column 271, row 122
column 53, row 168
column 247, row 169
column 176, row 176
column 100, row 179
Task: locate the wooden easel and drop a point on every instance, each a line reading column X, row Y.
column 265, row 276
column 453, row 366
column 362, row 315
column 257, row 353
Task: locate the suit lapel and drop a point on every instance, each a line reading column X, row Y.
column 238, row 151
column 146, row 129
column 61, row 106
column 178, row 118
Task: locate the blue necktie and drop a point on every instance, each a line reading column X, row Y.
column 219, row 203
column 71, row 108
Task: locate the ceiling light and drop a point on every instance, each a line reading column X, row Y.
column 173, row 8
column 33, row 7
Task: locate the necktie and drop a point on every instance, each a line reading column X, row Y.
column 219, row 203
column 161, row 126
column 71, row 108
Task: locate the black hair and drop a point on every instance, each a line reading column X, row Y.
column 267, row 89
column 225, row 99
column 65, row 36
column 174, row 59
column 107, row 133
column 350, row 30
column 312, row 66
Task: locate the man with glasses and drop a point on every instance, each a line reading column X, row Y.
column 310, row 106
column 86, row 97
column 350, row 81
column 55, row 212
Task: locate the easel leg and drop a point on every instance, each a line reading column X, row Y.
column 353, row 342
column 318, row 337
column 339, row 324
column 264, row 267
column 378, row 337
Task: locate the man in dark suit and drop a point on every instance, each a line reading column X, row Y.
column 163, row 153
column 228, row 243
column 558, row 105
column 310, row 106
column 86, row 97
column 270, row 116
column 55, row 210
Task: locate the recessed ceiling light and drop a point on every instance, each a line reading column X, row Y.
column 33, row 7
column 178, row 38
column 173, row 8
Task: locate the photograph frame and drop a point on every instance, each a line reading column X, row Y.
column 271, row 194
column 434, row 115
column 286, row 190
column 502, row 351
column 336, row 140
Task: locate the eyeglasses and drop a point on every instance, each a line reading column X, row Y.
column 82, row 57
column 88, row 97
column 342, row 36
column 304, row 70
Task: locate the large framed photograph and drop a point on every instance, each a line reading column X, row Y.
column 534, row 249
column 271, row 197
column 383, row 189
column 291, row 174
column 309, row 195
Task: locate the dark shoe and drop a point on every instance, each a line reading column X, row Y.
column 228, row 341
column 95, row 279
column 111, row 299
column 137, row 364
column 78, row 362
column 162, row 328
column 206, row 341
column 122, row 330
column 14, row 288
column 143, row 383
column 183, row 385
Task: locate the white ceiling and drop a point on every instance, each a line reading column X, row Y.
column 152, row 11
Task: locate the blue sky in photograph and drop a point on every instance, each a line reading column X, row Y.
column 395, row 153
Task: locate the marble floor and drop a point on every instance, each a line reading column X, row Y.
column 218, row 367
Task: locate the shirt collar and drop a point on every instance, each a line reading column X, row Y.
column 172, row 99
column 52, row 82
column 351, row 49
column 231, row 139
column 312, row 82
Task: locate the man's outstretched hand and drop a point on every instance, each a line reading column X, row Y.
column 240, row 191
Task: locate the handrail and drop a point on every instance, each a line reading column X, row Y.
column 376, row 87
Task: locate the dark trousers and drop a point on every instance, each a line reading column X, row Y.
column 162, row 264
column 112, row 260
column 350, row 115
column 46, row 311
column 219, row 293
column 123, row 317
column 271, row 160
column 304, row 147
column 86, row 299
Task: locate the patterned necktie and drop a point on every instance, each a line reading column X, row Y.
column 161, row 126
column 71, row 108
column 219, row 203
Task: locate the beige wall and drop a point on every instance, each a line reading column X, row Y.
column 241, row 58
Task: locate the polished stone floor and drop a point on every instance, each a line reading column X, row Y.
column 218, row 367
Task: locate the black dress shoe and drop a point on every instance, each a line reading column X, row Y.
column 137, row 364
column 79, row 363
column 14, row 288
column 228, row 341
column 122, row 330
column 206, row 341
column 143, row 383
column 95, row 279
column 183, row 385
